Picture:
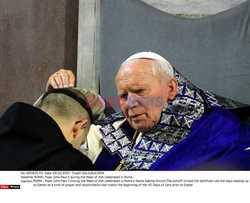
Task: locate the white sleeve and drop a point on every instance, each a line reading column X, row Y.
column 94, row 144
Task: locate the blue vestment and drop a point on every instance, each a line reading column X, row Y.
column 217, row 141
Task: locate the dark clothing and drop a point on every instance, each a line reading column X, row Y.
column 31, row 140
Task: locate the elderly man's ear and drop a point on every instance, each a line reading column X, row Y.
column 172, row 89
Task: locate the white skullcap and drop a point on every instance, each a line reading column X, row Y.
column 154, row 56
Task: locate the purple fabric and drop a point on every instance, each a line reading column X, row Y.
column 218, row 141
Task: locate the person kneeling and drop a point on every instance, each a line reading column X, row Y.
column 48, row 136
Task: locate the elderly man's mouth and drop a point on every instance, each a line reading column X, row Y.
column 137, row 116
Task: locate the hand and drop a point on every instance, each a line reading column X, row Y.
column 60, row 79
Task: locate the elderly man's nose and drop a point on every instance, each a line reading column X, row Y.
column 131, row 100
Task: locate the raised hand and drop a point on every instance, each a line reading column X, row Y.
column 61, row 78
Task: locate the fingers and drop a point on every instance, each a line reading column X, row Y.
column 60, row 79
column 51, row 83
column 63, row 79
column 71, row 78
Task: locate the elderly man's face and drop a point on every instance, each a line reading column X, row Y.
column 142, row 94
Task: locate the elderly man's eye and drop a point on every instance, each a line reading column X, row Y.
column 124, row 96
column 138, row 91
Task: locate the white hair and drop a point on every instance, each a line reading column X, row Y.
column 163, row 65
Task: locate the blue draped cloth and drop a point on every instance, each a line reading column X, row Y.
column 217, row 141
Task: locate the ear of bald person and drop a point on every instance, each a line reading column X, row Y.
column 63, row 78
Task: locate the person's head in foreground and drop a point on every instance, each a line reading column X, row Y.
column 70, row 111
column 145, row 84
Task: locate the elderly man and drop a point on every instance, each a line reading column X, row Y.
column 154, row 129
column 47, row 137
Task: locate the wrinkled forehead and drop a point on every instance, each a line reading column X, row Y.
column 135, row 67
